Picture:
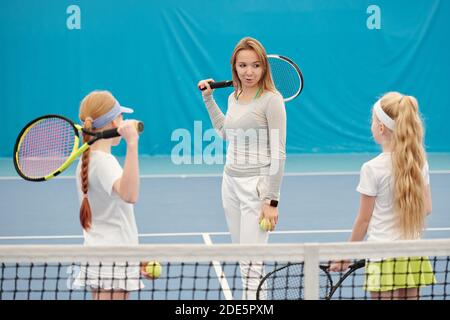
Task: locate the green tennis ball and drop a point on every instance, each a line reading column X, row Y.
column 265, row 225
column 154, row 269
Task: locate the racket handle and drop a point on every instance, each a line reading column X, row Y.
column 112, row 133
column 219, row 84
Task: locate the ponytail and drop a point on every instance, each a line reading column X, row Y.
column 408, row 160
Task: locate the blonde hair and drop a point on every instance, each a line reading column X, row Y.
column 92, row 106
column 408, row 160
column 266, row 82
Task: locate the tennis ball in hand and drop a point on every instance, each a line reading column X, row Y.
column 265, row 225
column 153, row 268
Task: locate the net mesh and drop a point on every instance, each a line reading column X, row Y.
column 395, row 270
column 285, row 76
column 45, row 146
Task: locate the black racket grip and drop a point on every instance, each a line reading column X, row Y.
column 219, row 84
column 112, row 133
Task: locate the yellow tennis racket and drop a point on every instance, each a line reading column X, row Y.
column 49, row 144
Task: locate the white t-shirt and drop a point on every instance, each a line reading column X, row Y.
column 113, row 223
column 376, row 180
column 113, row 220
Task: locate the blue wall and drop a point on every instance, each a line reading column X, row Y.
column 151, row 54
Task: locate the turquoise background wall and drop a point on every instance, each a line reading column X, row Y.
column 151, row 54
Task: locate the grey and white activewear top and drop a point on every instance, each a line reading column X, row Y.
column 256, row 136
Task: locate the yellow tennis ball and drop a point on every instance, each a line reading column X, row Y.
column 154, row 269
column 265, row 225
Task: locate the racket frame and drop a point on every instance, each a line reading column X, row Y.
column 324, row 268
column 76, row 150
column 22, row 135
column 269, row 275
column 229, row 83
column 352, row 268
column 299, row 74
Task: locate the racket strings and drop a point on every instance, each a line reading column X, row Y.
column 285, row 76
column 286, row 283
column 45, row 147
column 325, row 284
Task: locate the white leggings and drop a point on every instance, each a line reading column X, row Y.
column 242, row 204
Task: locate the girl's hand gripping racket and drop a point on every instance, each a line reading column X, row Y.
column 333, row 287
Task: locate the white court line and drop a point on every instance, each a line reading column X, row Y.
column 219, row 272
column 197, row 234
column 217, row 175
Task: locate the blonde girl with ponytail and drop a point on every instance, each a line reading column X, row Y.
column 107, row 194
column 395, row 198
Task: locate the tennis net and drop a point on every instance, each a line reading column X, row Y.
column 226, row 271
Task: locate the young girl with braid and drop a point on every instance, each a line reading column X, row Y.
column 395, row 198
column 107, row 193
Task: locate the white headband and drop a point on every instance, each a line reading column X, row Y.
column 382, row 116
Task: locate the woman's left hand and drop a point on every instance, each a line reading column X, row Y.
column 270, row 214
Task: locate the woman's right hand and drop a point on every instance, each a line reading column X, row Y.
column 205, row 84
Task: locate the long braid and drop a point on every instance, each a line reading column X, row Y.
column 92, row 106
column 85, row 209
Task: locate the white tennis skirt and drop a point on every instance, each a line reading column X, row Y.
column 118, row 276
